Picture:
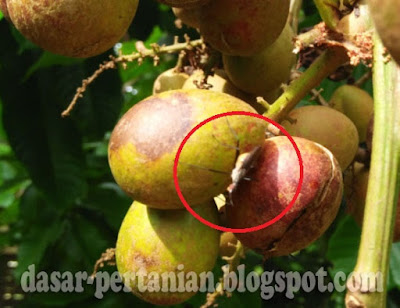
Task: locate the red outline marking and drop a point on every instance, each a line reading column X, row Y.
column 234, row 230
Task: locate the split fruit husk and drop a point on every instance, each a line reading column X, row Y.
column 161, row 242
column 74, row 28
column 145, row 142
column 272, row 187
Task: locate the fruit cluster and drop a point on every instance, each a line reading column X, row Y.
column 230, row 155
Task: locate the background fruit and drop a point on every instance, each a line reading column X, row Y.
column 169, row 80
column 356, row 104
column 219, row 82
column 159, row 241
column 189, row 17
column 266, row 71
column 184, row 3
column 386, row 17
column 145, row 141
column 273, row 186
column 78, row 28
column 226, row 244
column 327, row 127
column 356, row 185
column 243, row 27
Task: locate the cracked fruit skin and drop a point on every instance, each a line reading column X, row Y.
column 356, row 104
column 265, row 71
column 145, row 141
column 327, row 127
column 159, row 241
column 243, row 27
column 385, row 14
column 73, row 28
column 355, row 187
column 272, row 187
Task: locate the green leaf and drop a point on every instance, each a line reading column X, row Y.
column 394, row 270
column 48, row 145
column 343, row 246
column 1, row 15
column 48, row 59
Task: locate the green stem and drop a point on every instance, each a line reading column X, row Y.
column 329, row 11
column 322, row 67
column 383, row 186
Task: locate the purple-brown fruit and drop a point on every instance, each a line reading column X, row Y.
column 145, row 141
column 243, row 27
column 73, row 28
column 271, row 189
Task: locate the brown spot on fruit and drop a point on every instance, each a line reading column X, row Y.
column 148, row 126
column 271, row 189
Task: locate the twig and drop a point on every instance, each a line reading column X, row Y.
column 232, row 263
column 322, row 67
column 363, row 79
column 107, row 257
column 142, row 53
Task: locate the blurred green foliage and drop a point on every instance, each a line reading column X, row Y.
column 58, row 202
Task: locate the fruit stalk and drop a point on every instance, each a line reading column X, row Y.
column 381, row 202
column 322, row 67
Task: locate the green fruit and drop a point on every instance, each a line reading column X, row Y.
column 243, row 27
column 266, row 71
column 271, row 189
column 169, row 80
column 145, row 141
column 189, row 17
column 356, row 186
column 184, row 3
column 386, row 17
column 356, row 104
column 327, row 127
column 73, row 28
column 219, row 82
column 158, row 241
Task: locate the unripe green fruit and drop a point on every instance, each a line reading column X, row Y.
column 356, row 104
column 184, row 3
column 327, row 127
column 272, row 187
column 73, row 28
column 219, row 82
column 158, row 241
column 386, row 17
column 190, row 17
column 145, row 141
column 266, row 71
column 356, row 186
column 243, row 27
column 169, row 80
